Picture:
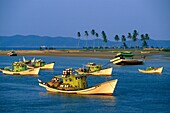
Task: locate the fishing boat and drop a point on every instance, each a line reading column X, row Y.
column 126, row 58
column 19, row 68
column 12, row 53
column 71, row 83
column 42, row 65
column 152, row 70
column 94, row 69
column 145, row 52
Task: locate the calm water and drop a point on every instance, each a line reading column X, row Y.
column 134, row 93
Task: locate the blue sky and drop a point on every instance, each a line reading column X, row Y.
column 67, row 17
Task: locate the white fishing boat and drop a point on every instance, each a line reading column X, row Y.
column 76, row 84
column 102, row 72
column 94, row 69
column 34, row 71
column 126, row 58
column 152, row 70
column 106, row 88
column 145, row 52
column 19, row 68
column 42, row 65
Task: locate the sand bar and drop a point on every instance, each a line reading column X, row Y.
column 108, row 54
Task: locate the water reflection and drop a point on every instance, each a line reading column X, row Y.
column 112, row 98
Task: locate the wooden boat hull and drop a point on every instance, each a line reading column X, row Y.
column 49, row 66
column 103, row 72
column 34, row 71
column 153, row 71
column 106, row 88
column 127, row 61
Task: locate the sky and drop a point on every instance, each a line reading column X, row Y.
column 67, row 17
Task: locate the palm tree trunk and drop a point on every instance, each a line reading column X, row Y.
column 78, row 43
column 98, row 41
column 94, row 44
column 86, row 41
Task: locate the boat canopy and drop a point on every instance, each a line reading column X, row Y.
column 124, row 55
column 93, row 67
column 149, row 68
column 39, row 63
column 69, row 79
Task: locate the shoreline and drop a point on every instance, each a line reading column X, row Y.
column 106, row 54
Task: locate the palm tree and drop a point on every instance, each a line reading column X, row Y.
column 147, row 36
column 93, row 33
column 135, row 33
column 104, row 37
column 134, row 38
column 97, row 35
column 130, row 37
column 86, row 34
column 79, row 35
column 117, row 38
column 144, row 38
column 123, row 40
column 144, row 44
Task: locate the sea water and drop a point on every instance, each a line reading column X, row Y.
column 135, row 92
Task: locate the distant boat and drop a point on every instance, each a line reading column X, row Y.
column 12, row 53
column 152, row 70
column 94, row 69
column 19, row 68
column 126, row 58
column 76, row 84
column 145, row 52
column 42, row 65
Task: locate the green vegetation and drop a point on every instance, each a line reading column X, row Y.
column 79, row 35
column 86, row 34
column 130, row 36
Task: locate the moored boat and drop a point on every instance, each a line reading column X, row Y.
column 94, row 69
column 126, row 58
column 19, row 68
column 12, row 53
column 152, row 70
column 76, row 84
column 42, row 65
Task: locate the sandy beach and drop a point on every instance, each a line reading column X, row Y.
column 107, row 54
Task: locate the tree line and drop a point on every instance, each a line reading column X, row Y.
column 123, row 38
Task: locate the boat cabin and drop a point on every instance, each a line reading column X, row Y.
column 39, row 63
column 68, row 81
column 150, row 68
column 124, row 55
column 19, row 66
column 76, row 81
column 93, row 67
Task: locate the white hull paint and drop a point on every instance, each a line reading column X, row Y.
column 49, row 66
column 106, row 88
column 118, row 61
column 103, row 72
column 153, row 71
column 34, row 71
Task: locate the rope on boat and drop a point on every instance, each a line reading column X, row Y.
column 107, row 64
